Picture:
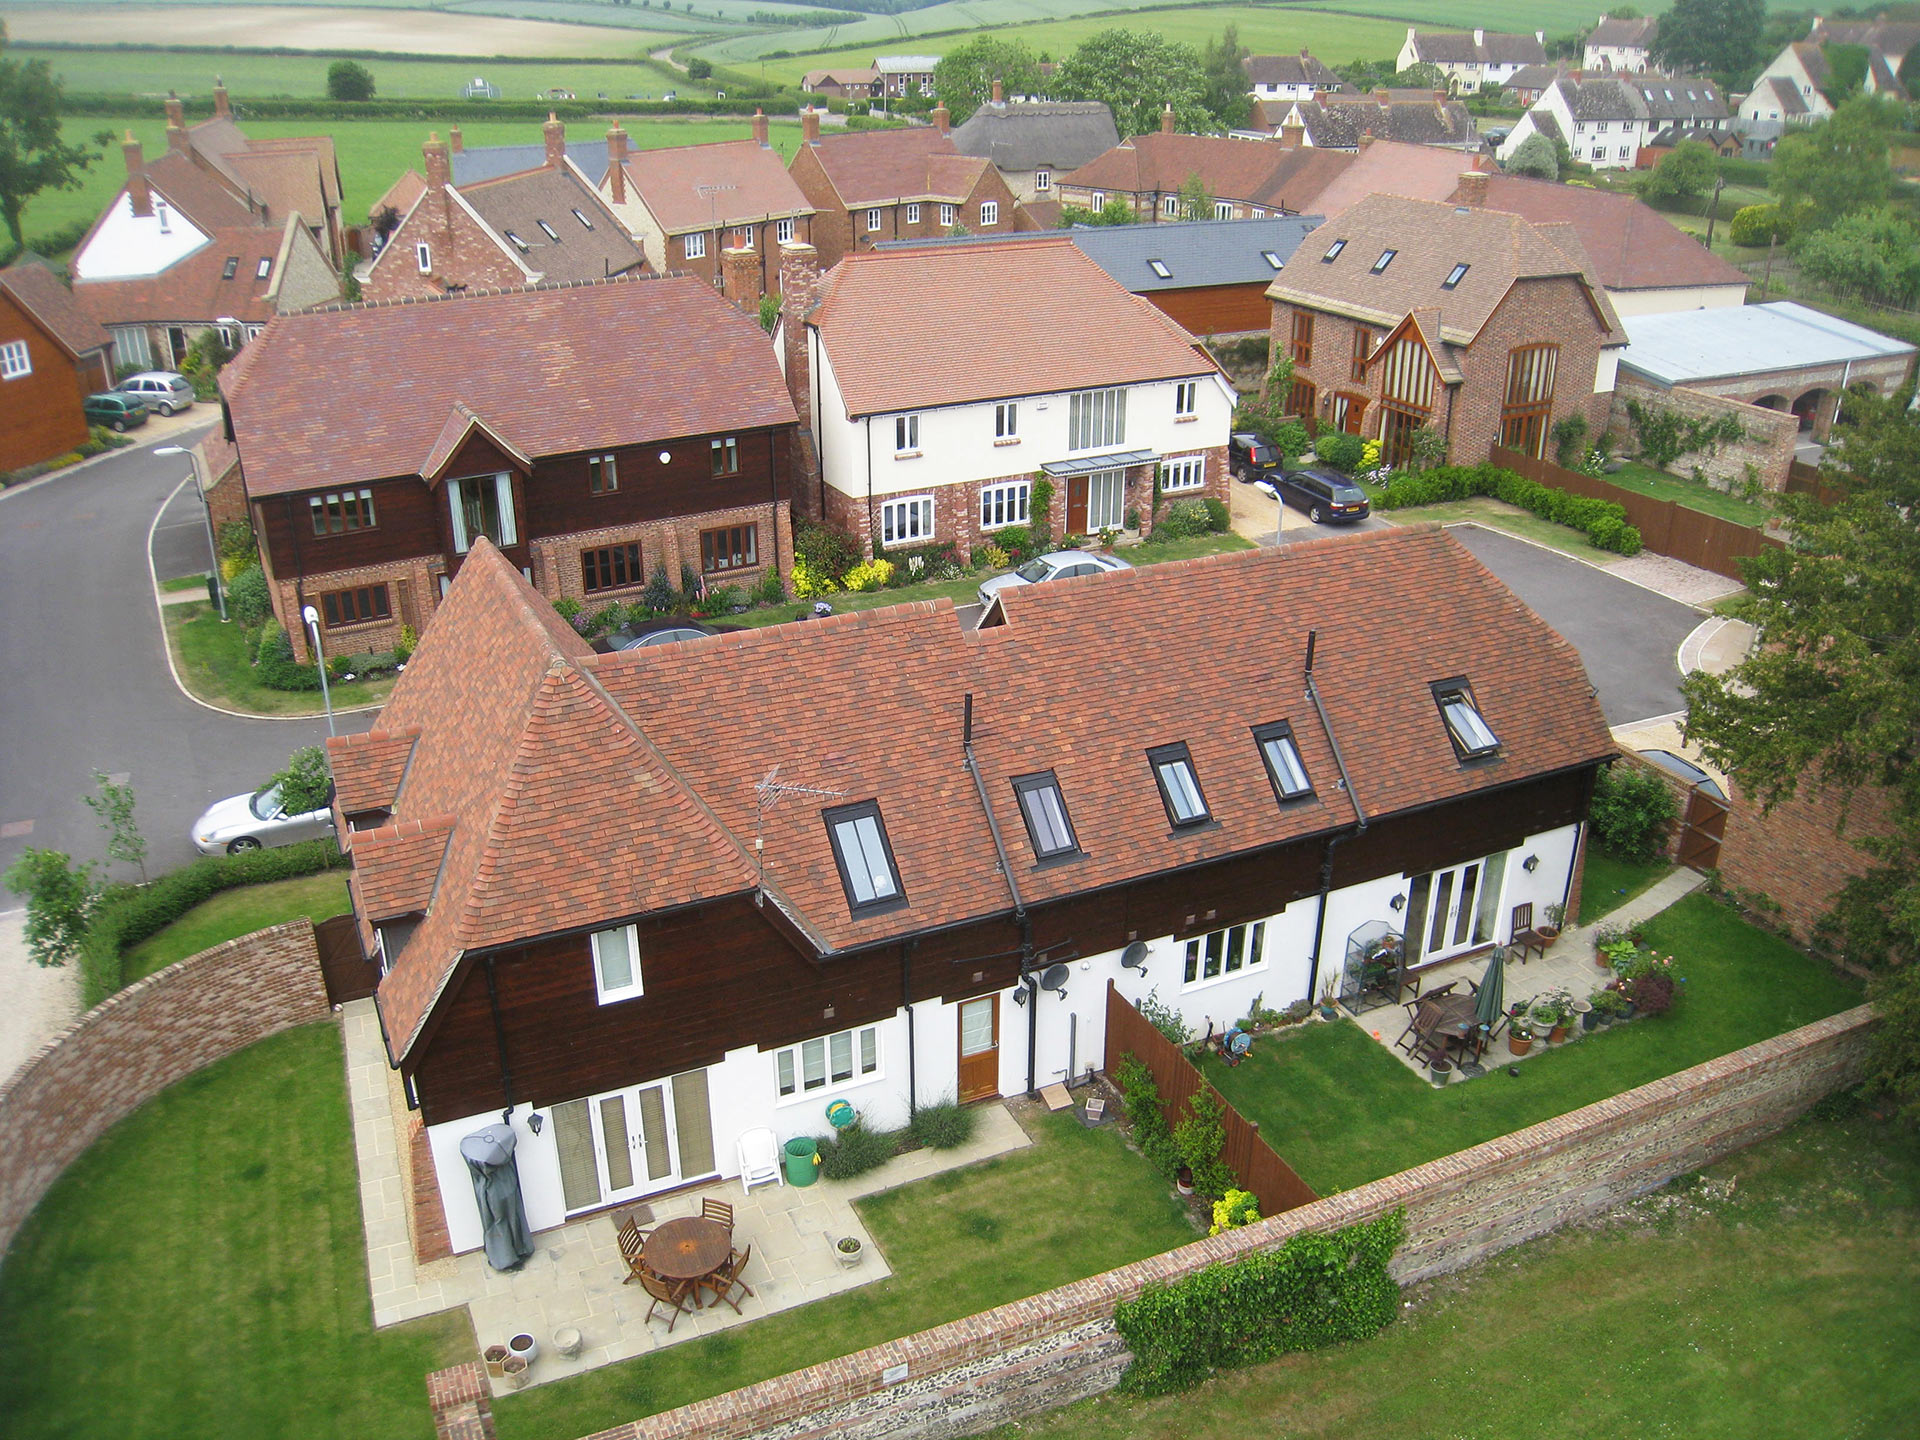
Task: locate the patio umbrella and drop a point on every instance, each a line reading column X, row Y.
column 1492, row 1003
column 496, row 1190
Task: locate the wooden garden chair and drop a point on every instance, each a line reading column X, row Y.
column 722, row 1282
column 629, row 1228
column 1525, row 939
column 718, row 1211
column 663, row 1293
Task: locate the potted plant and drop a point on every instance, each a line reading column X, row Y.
column 1183, row 1180
column 1441, row 1068
column 1556, row 916
column 496, row 1360
column 1605, row 940
column 1609, row 1005
column 1546, row 1018
column 849, row 1251
column 1519, row 1035
column 515, row 1371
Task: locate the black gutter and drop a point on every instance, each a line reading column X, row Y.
column 1359, row 822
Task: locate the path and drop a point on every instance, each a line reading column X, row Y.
column 40, row 1002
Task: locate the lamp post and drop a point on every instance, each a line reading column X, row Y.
column 1279, row 507
column 206, row 513
column 312, row 617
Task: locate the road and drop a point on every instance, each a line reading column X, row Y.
column 90, row 687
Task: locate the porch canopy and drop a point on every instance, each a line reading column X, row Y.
column 1091, row 464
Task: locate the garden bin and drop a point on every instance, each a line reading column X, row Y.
column 803, row 1161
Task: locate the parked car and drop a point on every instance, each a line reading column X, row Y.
column 1060, row 565
column 247, row 822
column 115, row 411
column 1251, row 458
column 1688, row 771
column 656, row 632
column 162, row 390
column 1326, row 495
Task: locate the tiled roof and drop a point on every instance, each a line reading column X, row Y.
column 196, row 289
column 1458, row 48
column 1890, row 37
column 1197, row 253
column 1535, row 77
column 401, row 196
column 1786, row 94
column 840, row 77
column 522, row 209
column 566, row 369
column 319, row 147
column 1430, row 240
column 1546, row 123
column 1633, row 97
column 1625, row 34
column 35, row 290
column 905, row 64
column 732, row 182
column 1301, row 69
column 1630, row 246
column 201, row 197
column 1017, row 318
column 379, row 765
column 285, row 181
column 874, row 165
column 1419, row 172
column 1338, row 121
column 1253, row 172
column 475, row 163
column 397, row 866
column 588, row 790
column 1038, row 134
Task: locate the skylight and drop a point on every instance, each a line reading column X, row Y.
column 1045, row 812
column 1386, row 259
column 264, row 268
column 551, row 233
column 864, row 857
column 1333, row 252
column 1272, row 259
column 1282, row 756
column 583, row 219
column 1179, row 786
column 1455, row 276
column 1469, row 731
column 1159, row 267
column 231, row 268
column 517, row 240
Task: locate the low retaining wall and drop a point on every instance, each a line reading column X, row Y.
column 134, row 1044
column 1035, row 1354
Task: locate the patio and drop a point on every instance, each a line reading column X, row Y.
column 576, row 1276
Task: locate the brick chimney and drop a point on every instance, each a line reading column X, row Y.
column 176, row 123
column 454, row 142
column 1479, row 38
column 740, row 277
column 1380, row 94
column 760, row 129
column 810, row 126
column 439, row 168
column 617, row 163
column 220, row 106
column 137, row 190
column 1439, row 97
column 556, row 134
column 1472, row 189
column 799, row 287
column 1292, row 136
column 999, row 93
column 941, row 119
column 1166, row 121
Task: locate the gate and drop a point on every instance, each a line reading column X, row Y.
column 348, row 973
column 1701, row 831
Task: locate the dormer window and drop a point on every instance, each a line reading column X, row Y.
column 1386, row 259
column 1455, row 276
column 1333, row 252
column 588, row 224
column 1159, row 267
column 547, row 230
column 1281, row 753
column 1179, row 786
column 1045, row 812
column 864, row 857
column 1471, row 736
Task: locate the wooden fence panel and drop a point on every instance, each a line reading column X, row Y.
column 349, row 974
column 1249, row 1156
column 1805, row 479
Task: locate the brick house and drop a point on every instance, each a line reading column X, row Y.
column 589, row 915
column 1048, row 367
column 1401, row 315
column 583, row 447
column 1473, row 60
column 877, row 185
column 547, row 224
column 842, row 84
column 51, row 358
column 1245, row 178
column 900, row 77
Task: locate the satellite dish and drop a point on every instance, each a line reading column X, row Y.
column 1134, row 957
column 1055, row 978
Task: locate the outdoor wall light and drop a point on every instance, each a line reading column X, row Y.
column 535, row 1121
column 1530, row 864
column 1399, row 902
column 666, row 457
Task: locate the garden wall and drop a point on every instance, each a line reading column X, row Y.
column 1771, row 434
column 1039, row 1353
column 134, row 1044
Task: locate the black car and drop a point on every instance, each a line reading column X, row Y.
column 1251, row 458
column 1326, row 495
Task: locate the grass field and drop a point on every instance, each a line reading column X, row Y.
column 713, row 13
column 233, row 913
column 1693, row 494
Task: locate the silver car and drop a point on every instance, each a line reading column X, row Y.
column 163, row 390
column 1059, row 565
column 247, row 822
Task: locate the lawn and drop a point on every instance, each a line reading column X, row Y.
column 1611, row 881
column 1774, row 1297
column 234, row 913
column 201, row 1272
column 216, row 665
column 1076, row 1203
column 1498, row 515
column 1342, row 1111
column 1694, row 494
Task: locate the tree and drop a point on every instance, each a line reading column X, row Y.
column 1685, row 171
column 964, row 77
column 1893, row 1065
column 1534, row 156
column 33, row 157
column 1833, row 695
column 1839, row 165
column 699, row 69
column 59, row 898
column 1115, row 212
column 1424, row 75
column 306, row 784
column 1721, row 37
column 1196, row 201
column 349, row 80
column 1227, row 92
column 1136, row 75
column 1874, row 254
column 114, row 807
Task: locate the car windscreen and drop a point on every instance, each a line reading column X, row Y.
column 1034, row 571
column 265, row 804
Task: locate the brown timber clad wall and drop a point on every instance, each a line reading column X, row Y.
column 41, row 409
column 1035, row 1354
column 133, row 1045
column 1216, row 309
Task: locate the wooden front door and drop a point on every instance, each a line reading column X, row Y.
column 979, row 1048
column 1077, row 504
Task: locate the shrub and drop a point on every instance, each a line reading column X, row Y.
column 1757, row 225
column 1235, row 1209
column 770, row 589
column 828, row 553
column 944, row 1125
column 1339, row 450
column 988, row 557
column 1199, row 1138
column 911, row 566
column 307, row 783
column 1184, row 518
column 409, row 639
column 60, row 896
column 1219, row 518
column 870, row 575
column 658, row 595
column 1165, row 1018
column 856, row 1150
column 248, row 600
column 1603, row 521
column 566, row 607
column 1292, row 440
column 1632, row 811
column 1145, row 1114
column 236, row 540
column 274, row 665
column 1570, row 440
column 723, row 599
column 1653, row 992
column 808, row 582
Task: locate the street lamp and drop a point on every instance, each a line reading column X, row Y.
column 312, row 617
column 1279, row 507
column 206, row 513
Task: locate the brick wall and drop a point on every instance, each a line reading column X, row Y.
column 672, row 542
column 1034, row 1354
column 133, row 1045
column 413, row 594
column 1771, row 434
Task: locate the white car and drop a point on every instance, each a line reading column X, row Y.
column 247, row 822
column 1059, row 565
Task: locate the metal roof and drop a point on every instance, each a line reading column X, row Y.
column 1689, row 345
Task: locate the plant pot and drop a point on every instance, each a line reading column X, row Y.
column 1592, row 1020
column 1557, row 1035
column 1329, row 1012
column 1549, row 933
column 1441, row 1070
column 1518, row 1044
column 849, row 1251
column 1631, row 1011
column 515, row 1371
column 567, row 1341
column 1183, row 1180
column 524, row 1346
column 496, row 1357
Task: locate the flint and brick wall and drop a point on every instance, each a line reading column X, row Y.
column 1035, row 1354
column 134, row 1044
column 1768, row 447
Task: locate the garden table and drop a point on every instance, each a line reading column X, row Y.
column 688, row 1249
column 1453, row 1017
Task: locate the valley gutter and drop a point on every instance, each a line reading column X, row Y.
column 1359, row 822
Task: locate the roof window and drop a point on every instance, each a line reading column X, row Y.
column 1471, row 736
column 551, row 233
column 1333, row 252
column 583, row 219
column 864, row 857
column 264, row 268
column 1179, row 786
column 231, row 268
column 1045, row 812
column 1272, row 259
column 1455, row 275
column 1159, row 267
column 1386, row 259
column 1284, row 766
column 521, row 244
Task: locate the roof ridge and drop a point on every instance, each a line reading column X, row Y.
column 489, row 292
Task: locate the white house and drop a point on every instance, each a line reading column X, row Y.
column 1289, row 77
column 1473, row 60
column 1621, row 46
column 1605, row 122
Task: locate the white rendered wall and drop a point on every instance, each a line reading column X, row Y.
column 128, row 245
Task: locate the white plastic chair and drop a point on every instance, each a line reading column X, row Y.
column 759, row 1160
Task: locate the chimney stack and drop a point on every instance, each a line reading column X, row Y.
column 556, row 134
column 1439, row 97
column 1479, row 39
column 454, row 142
column 999, row 93
column 1166, row 121
column 176, row 123
column 220, row 107
column 810, row 126
column 439, row 169
column 1380, row 94
column 799, row 287
column 740, row 277
column 137, row 190
column 760, row 135
column 1472, row 189
column 941, row 118
column 617, row 163
column 1292, row 135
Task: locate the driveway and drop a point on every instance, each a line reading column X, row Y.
column 1628, row 637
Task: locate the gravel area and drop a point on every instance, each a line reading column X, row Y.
column 1675, row 579
column 40, row 1002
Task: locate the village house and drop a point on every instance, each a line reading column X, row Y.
column 1621, row 46
column 1031, row 141
column 1605, row 122
column 1527, row 84
column 1244, row 179
column 582, row 447
column 1342, row 122
column 51, row 358
column 899, row 77
column 842, row 84
column 1473, row 60
column 595, row 914
column 1289, row 77
column 1793, row 88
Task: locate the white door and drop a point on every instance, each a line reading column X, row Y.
column 1106, row 502
column 634, row 1141
column 1453, row 910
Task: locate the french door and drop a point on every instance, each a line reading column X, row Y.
column 634, row 1141
column 1453, row 910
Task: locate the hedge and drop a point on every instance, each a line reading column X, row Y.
column 127, row 914
column 452, row 110
column 1603, row 521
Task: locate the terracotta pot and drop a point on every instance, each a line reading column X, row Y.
column 496, row 1358
column 1557, row 1035
column 1518, row 1044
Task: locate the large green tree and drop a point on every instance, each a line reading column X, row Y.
column 1839, row 165
column 349, row 80
column 1228, row 93
column 1533, row 156
column 964, row 77
column 33, row 157
column 1721, row 37
column 1685, row 171
column 1874, row 254
column 1137, row 74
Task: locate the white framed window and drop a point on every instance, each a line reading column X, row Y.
column 1170, row 206
column 1042, row 180
column 1626, row 152
column 1006, row 420
column 1281, row 753
column 1226, row 953
column 1599, row 127
column 1257, row 213
column 783, row 231
column 1045, row 812
column 913, row 214
column 15, row 362
column 603, row 476
column 482, row 505
column 1179, row 786
column 616, row 964
column 1099, row 200
column 693, row 247
column 873, row 221
column 906, row 434
column 1466, row 727
column 1223, row 210
column 1186, row 397
column 1096, row 418
column 743, row 237
column 1183, row 472
column 906, row 521
column 1002, row 505
column 949, row 215
column 264, row 268
column 1159, row 267
column 423, row 257
column 1599, row 152
column 842, row 1058
column 989, row 212
column 863, row 855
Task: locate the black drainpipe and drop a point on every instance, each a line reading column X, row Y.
column 906, row 1003
column 1019, row 906
column 1359, row 822
column 500, row 1042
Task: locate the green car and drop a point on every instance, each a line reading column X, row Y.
column 116, row 412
